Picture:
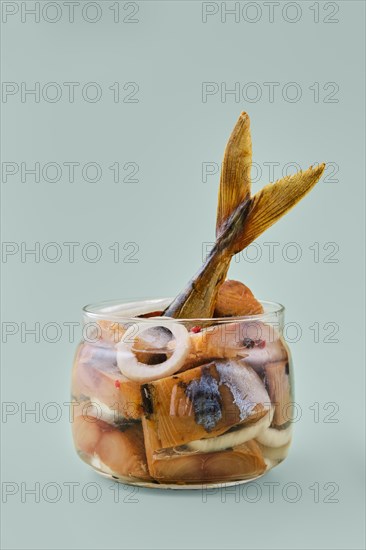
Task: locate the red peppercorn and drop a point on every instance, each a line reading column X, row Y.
column 196, row 329
column 260, row 344
column 117, row 383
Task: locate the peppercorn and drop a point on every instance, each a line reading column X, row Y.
column 248, row 343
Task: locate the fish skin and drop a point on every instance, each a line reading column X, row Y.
column 246, row 222
column 242, row 462
column 227, row 391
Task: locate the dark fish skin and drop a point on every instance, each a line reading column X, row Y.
column 205, row 395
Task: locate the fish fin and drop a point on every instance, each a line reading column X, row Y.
column 273, row 201
column 235, row 183
column 249, row 219
column 199, row 297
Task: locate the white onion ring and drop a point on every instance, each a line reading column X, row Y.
column 141, row 308
column 275, row 438
column 232, row 439
column 123, row 313
column 140, row 372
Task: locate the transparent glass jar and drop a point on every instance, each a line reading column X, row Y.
column 167, row 403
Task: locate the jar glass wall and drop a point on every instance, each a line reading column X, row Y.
column 173, row 403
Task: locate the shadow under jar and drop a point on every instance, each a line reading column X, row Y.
column 167, row 403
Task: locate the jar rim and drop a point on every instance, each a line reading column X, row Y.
column 123, row 310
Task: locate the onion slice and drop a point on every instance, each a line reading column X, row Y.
column 275, row 438
column 140, row 372
column 232, row 438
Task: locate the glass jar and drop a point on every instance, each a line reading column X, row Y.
column 167, row 403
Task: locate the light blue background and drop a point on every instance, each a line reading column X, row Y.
column 169, row 133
